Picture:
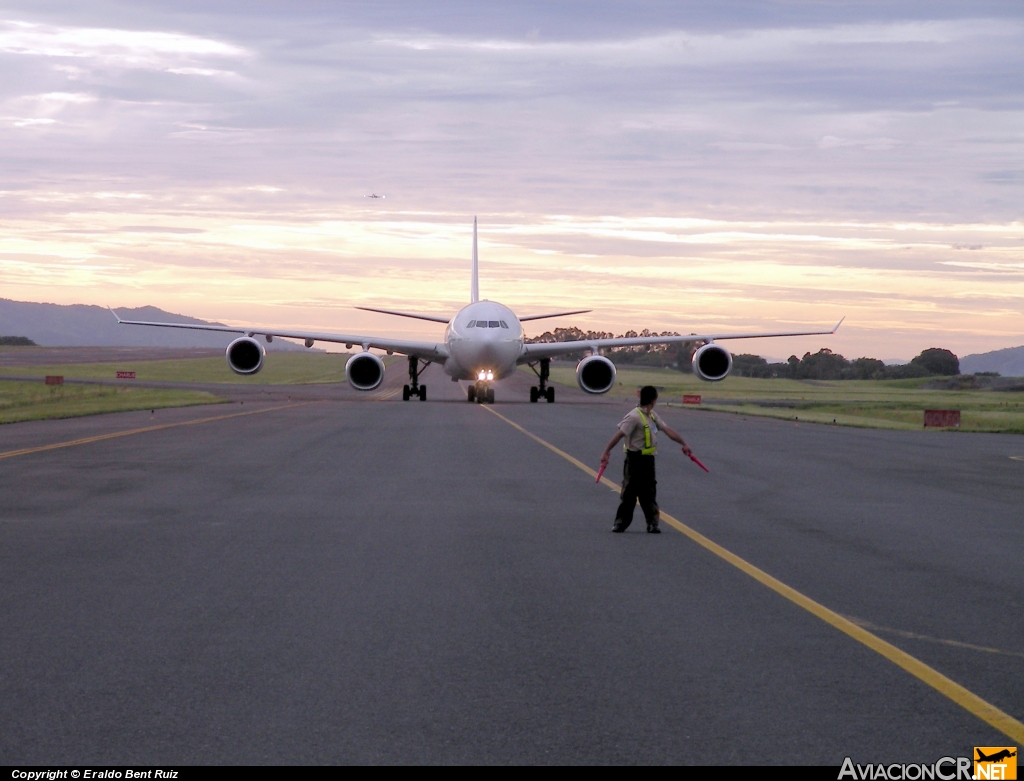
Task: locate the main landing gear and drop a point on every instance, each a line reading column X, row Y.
column 480, row 393
column 414, row 388
column 543, row 391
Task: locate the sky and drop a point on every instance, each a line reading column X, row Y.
column 677, row 166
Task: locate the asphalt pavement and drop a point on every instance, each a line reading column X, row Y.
column 313, row 575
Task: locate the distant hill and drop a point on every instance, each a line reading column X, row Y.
column 1008, row 362
column 80, row 325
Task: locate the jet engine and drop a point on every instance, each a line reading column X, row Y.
column 712, row 363
column 245, row 355
column 595, row 374
column 364, row 371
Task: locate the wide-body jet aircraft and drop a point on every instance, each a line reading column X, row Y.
column 482, row 343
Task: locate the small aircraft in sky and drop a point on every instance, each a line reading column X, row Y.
column 375, row 196
column 482, row 342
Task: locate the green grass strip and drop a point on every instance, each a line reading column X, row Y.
column 21, row 401
column 278, row 369
column 886, row 404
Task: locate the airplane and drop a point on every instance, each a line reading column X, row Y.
column 482, row 343
column 374, row 195
column 1004, row 754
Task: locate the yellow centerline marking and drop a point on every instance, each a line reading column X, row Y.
column 965, row 698
column 100, row 437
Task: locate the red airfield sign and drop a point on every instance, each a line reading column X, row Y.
column 942, row 418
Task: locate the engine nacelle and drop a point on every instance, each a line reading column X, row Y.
column 364, row 371
column 245, row 355
column 712, row 363
column 595, row 374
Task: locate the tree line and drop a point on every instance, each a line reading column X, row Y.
column 822, row 365
column 827, row 365
column 659, row 355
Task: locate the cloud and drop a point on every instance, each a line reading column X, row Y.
column 671, row 164
column 735, row 46
column 202, row 72
column 62, row 97
column 871, row 144
column 112, row 47
column 29, row 121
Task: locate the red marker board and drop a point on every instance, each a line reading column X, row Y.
column 942, row 418
column 126, row 375
column 691, row 398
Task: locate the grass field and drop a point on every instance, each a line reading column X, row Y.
column 284, row 368
column 20, row 401
column 895, row 404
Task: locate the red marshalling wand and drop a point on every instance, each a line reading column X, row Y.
column 600, row 471
column 697, row 462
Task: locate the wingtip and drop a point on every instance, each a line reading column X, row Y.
column 839, row 323
column 114, row 314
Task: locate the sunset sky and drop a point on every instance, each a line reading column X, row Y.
column 674, row 166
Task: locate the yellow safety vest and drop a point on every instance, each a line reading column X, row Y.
column 646, row 450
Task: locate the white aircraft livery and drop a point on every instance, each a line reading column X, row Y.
column 482, row 343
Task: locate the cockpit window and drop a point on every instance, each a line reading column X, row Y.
column 471, row 324
column 494, row 324
column 504, row 324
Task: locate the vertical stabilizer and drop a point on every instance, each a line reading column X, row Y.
column 474, row 289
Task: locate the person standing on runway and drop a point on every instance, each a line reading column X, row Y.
column 640, row 428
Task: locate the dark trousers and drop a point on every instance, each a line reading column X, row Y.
column 638, row 484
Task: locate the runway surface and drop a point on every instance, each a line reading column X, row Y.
column 346, row 578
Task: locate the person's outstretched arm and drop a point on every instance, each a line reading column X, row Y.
column 671, row 433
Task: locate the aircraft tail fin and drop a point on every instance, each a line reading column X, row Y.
column 474, row 289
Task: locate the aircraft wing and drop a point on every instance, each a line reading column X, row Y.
column 554, row 314
column 538, row 350
column 433, row 318
column 431, row 351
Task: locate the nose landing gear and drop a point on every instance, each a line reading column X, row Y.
column 542, row 391
column 480, row 393
column 414, row 388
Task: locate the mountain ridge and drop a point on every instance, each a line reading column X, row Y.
column 1009, row 362
column 87, row 325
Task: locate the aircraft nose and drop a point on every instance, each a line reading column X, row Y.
column 493, row 351
column 488, row 353
column 484, row 354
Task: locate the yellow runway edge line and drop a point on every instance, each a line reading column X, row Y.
column 966, row 699
column 116, row 434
